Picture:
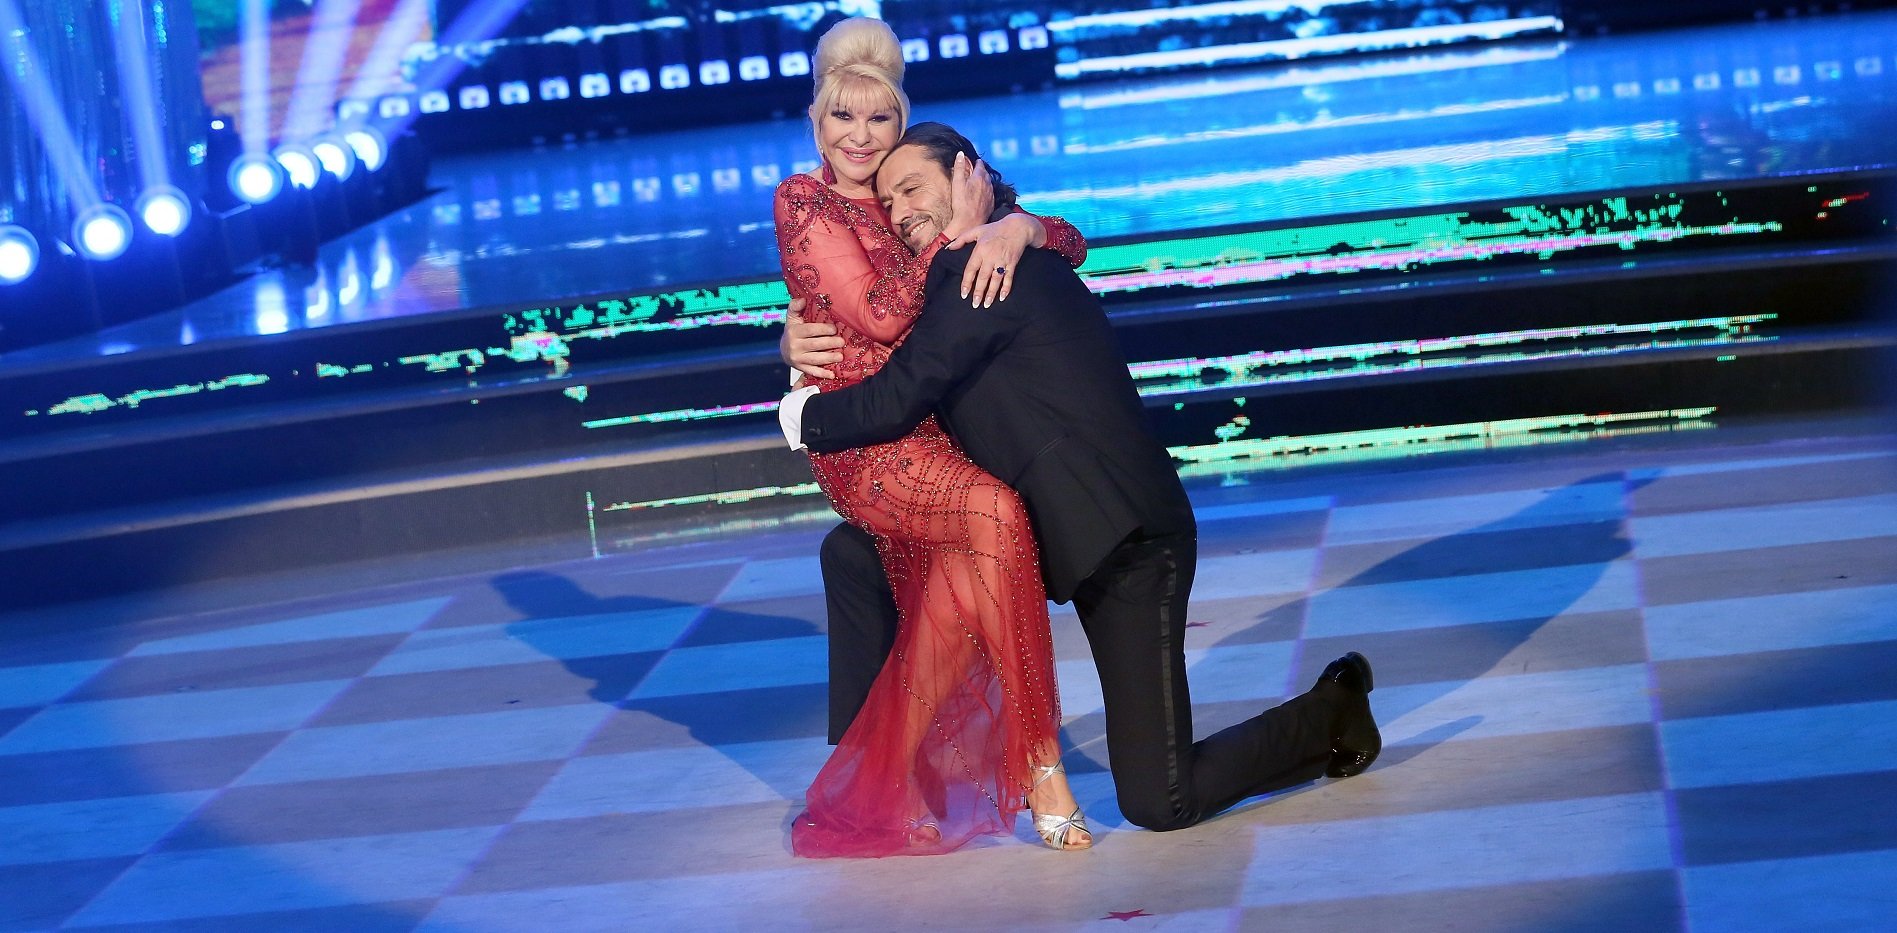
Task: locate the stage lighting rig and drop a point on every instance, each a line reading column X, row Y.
column 371, row 149
column 299, row 165
column 102, row 232
column 337, row 157
column 256, row 178
column 165, row 210
column 19, row 254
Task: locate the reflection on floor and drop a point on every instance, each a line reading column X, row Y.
column 1630, row 686
column 1124, row 159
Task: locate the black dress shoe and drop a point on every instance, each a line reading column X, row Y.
column 1351, row 672
column 1350, row 762
column 1356, row 742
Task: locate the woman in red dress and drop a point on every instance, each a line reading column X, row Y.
column 960, row 728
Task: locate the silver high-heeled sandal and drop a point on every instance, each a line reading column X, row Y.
column 1052, row 828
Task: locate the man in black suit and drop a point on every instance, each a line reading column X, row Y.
column 1037, row 393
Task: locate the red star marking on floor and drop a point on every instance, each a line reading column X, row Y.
column 1125, row 914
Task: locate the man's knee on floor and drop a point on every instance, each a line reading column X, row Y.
column 1160, row 816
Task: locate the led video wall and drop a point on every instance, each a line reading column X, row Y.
column 483, row 71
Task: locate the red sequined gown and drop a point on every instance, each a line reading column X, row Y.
column 940, row 752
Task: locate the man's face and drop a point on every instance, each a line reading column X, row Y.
column 915, row 190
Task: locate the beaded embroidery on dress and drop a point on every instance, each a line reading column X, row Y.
column 941, row 751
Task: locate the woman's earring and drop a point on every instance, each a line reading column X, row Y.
column 829, row 174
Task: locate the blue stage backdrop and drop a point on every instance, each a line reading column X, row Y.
column 123, row 120
column 473, row 72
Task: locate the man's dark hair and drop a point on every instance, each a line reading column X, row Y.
column 940, row 143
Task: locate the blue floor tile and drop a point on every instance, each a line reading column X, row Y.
column 1497, row 597
column 680, row 778
column 363, row 806
column 618, row 847
column 445, row 649
column 1647, row 901
column 1822, row 815
column 1516, row 704
column 790, row 617
column 741, row 666
column 1465, row 652
column 290, row 876
column 129, row 770
column 381, row 917
column 1760, row 527
column 1257, row 672
column 426, row 744
column 40, row 684
column 1826, row 892
column 770, row 579
column 169, row 717
column 92, row 829
column 1485, row 846
column 1773, row 571
column 13, row 717
column 603, row 679
column 1781, row 745
column 1767, row 680
column 716, row 718
column 1760, row 463
column 1487, row 512
column 700, row 903
column 38, row 897
column 1772, row 622
column 1258, row 574
column 347, row 623
column 1469, row 552
column 261, row 665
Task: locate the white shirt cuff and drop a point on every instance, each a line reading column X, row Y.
column 790, row 416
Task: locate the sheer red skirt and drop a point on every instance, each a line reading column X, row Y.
column 940, row 753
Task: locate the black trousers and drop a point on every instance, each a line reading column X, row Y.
column 1133, row 609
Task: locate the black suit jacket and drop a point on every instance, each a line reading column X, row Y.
column 1036, row 391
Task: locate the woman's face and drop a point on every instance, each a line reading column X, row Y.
column 857, row 132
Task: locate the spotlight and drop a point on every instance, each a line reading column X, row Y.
column 19, row 254
column 256, row 178
column 102, row 232
column 164, row 210
column 335, row 155
column 369, row 146
column 299, row 164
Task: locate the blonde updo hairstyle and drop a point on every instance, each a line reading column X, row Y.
column 856, row 51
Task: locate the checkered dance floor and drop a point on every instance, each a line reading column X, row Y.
column 1641, row 684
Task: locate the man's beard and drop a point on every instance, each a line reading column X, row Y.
column 916, row 235
column 925, row 227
